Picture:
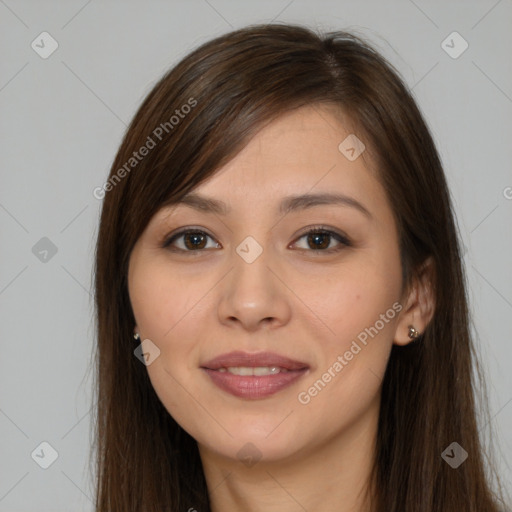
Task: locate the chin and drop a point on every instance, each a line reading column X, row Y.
column 249, row 450
column 270, row 438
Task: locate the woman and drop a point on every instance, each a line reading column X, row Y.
column 277, row 236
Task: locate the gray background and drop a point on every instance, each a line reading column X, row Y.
column 63, row 117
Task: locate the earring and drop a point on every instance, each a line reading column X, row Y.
column 413, row 333
column 137, row 336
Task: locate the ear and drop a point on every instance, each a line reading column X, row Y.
column 419, row 304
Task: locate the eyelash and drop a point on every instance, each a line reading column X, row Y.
column 342, row 239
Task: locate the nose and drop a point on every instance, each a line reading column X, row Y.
column 252, row 296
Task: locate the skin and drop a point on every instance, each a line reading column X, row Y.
column 309, row 307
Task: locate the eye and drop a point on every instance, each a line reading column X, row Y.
column 194, row 240
column 319, row 239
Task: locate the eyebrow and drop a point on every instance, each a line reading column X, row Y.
column 287, row 204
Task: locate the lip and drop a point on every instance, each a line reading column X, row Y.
column 254, row 387
column 253, row 360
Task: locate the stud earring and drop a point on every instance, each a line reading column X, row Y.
column 137, row 336
column 413, row 333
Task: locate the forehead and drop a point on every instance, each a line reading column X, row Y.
column 290, row 165
column 300, row 152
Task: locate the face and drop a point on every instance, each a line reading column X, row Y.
column 252, row 280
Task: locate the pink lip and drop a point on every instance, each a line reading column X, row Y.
column 251, row 386
column 253, row 360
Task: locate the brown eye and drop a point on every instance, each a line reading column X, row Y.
column 319, row 239
column 193, row 240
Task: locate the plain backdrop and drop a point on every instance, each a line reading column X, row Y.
column 63, row 117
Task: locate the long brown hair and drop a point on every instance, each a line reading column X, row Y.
column 194, row 120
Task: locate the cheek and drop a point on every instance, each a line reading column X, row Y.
column 160, row 298
column 362, row 312
column 169, row 308
column 361, row 309
column 166, row 311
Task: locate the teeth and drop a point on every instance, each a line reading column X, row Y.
column 258, row 371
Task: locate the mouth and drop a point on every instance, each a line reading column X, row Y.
column 253, row 376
